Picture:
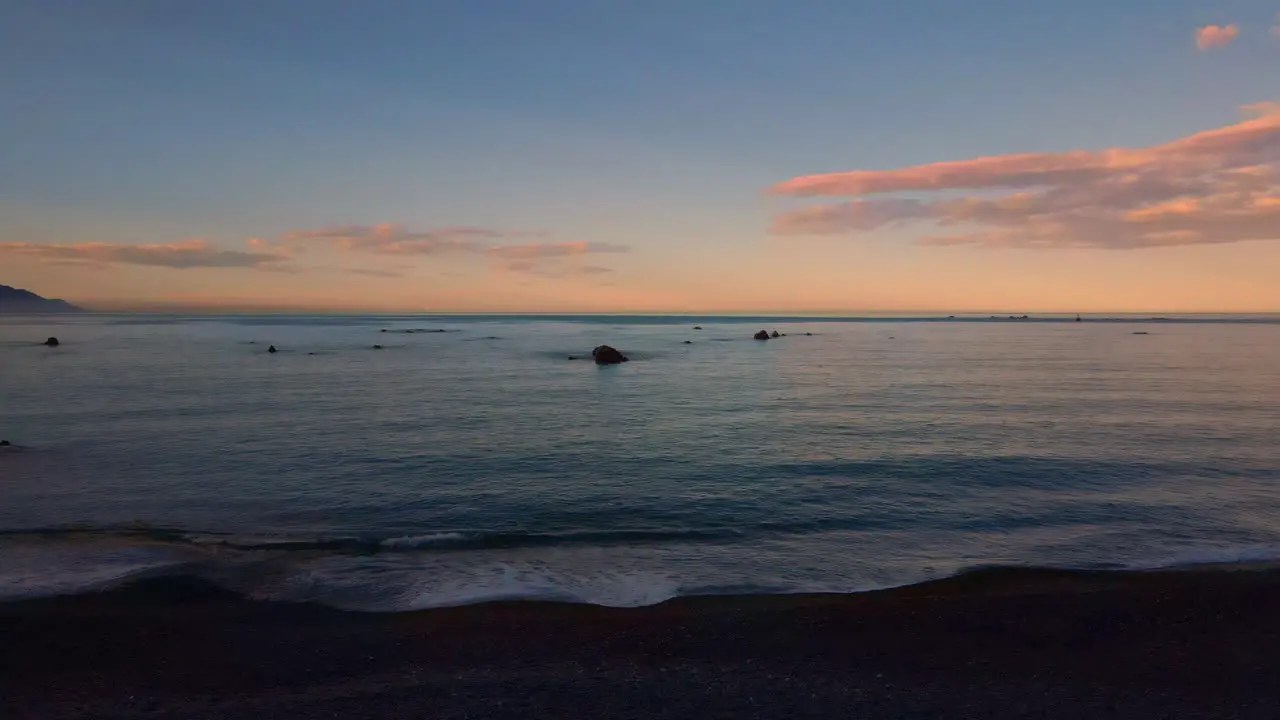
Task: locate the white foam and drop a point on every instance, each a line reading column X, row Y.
column 428, row 540
column 508, row 582
column 401, row 583
column 1214, row 556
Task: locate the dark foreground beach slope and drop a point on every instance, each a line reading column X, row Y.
column 992, row 644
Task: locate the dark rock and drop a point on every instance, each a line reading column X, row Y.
column 272, row 349
column 572, row 357
column 383, row 330
column 5, row 443
column 808, row 334
column 52, row 342
column 688, row 342
column 697, row 327
column 377, row 347
column 775, row 334
column 605, row 355
column 762, row 335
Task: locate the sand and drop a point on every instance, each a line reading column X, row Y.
column 996, row 644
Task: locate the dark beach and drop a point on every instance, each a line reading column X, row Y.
column 989, row 644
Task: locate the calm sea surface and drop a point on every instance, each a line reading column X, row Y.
column 481, row 463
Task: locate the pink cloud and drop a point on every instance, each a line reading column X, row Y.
column 182, row 255
column 1216, row 36
column 391, row 239
column 1211, row 187
column 373, row 272
column 538, row 251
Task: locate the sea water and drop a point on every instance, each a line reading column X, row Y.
column 472, row 460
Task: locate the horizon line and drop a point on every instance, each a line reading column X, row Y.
column 931, row 313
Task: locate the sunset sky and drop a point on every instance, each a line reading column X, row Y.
column 643, row 155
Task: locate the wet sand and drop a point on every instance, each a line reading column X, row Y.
column 990, row 644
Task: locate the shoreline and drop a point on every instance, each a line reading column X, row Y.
column 989, row 643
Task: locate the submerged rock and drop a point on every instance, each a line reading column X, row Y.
column 762, row 335
column 52, row 342
column 377, row 347
column 605, row 355
column 688, row 342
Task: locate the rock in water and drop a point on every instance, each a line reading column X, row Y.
column 605, row 355
column 697, row 327
column 272, row 349
column 762, row 335
column 52, row 342
column 5, row 443
column 775, row 334
column 377, row 347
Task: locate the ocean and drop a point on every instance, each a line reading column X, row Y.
column 470, row 460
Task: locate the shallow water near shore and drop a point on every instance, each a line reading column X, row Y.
column 480, row 463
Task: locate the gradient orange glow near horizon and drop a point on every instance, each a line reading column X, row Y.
column 1096, row 191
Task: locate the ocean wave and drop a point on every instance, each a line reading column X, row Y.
column 413, row 571
column 377, row 592
column 369, row 544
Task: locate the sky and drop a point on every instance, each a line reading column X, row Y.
column 805, row 156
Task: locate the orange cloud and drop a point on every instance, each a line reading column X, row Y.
column 182, row 255
column 1216, row 186
column 1216, row 36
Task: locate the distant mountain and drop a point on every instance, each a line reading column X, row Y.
column 21, row 302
